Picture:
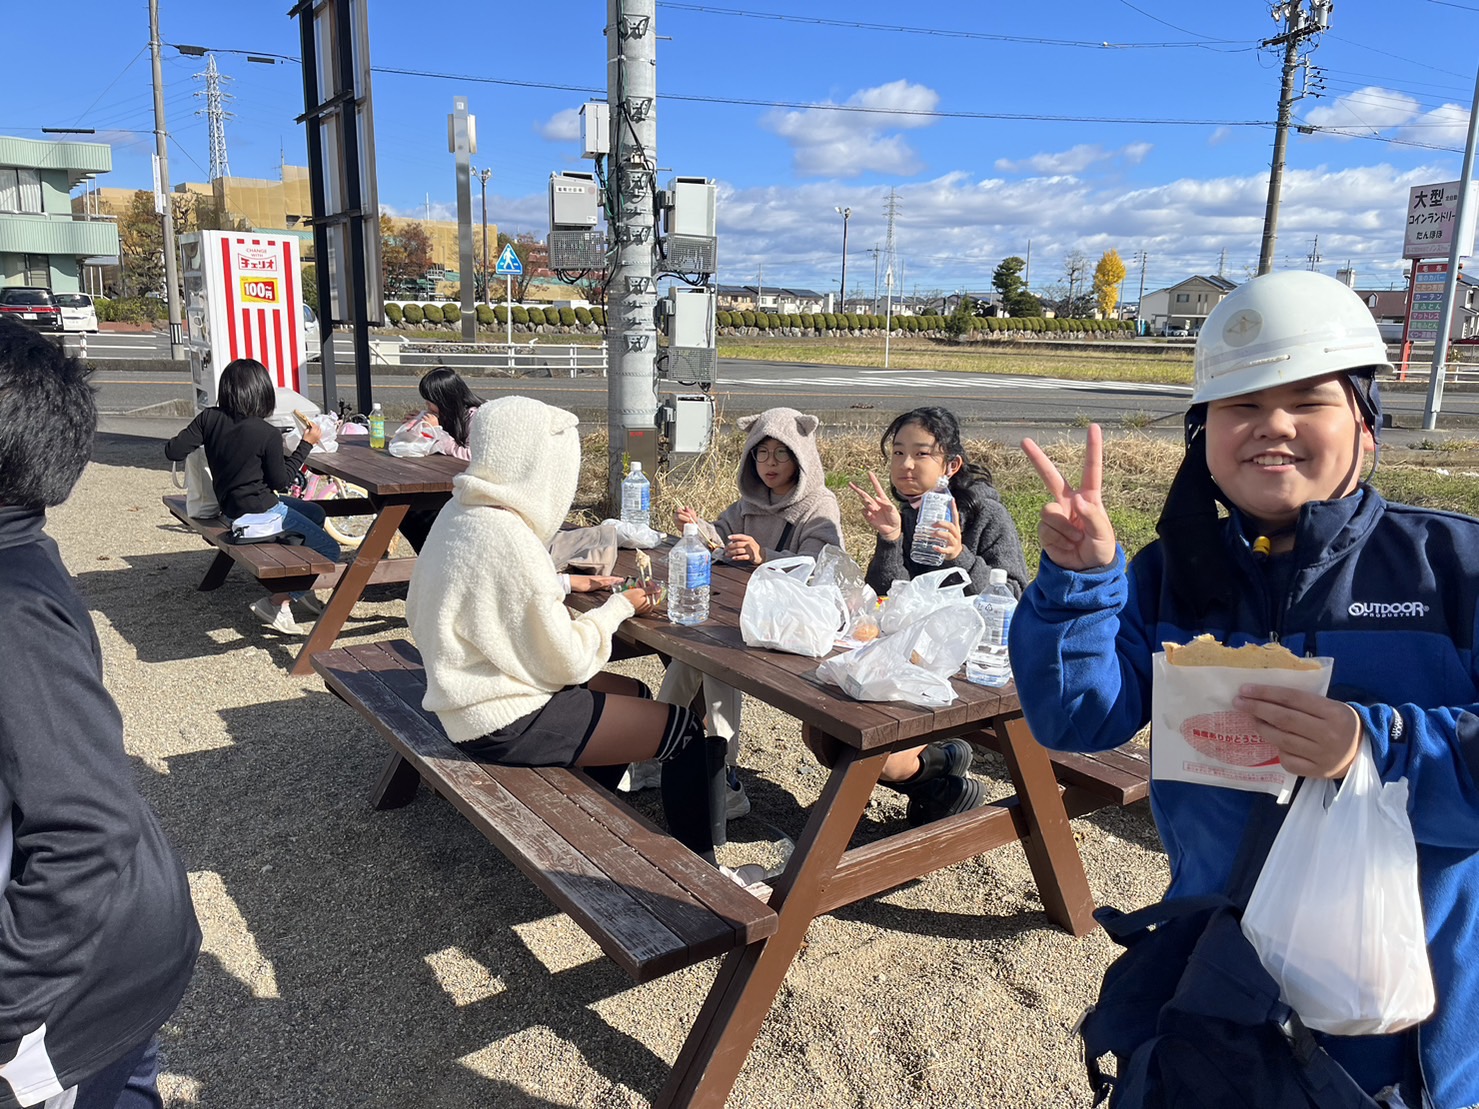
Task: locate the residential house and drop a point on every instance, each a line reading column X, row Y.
column 41, row 241
column 1183, row 306
column 771, row 298
column 1389, row 308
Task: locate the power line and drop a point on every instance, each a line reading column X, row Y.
column 1163, row 23
column 1399, row 57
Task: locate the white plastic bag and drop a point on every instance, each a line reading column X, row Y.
column 328, row 440
column 633, row 537
column 782, row 612
column 1335, row 917
column 913, row 666
column 909, row 600
column 415, row 439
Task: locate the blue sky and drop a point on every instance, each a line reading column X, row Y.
column 1398, row 78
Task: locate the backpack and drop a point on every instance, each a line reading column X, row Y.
column 1192, row 1018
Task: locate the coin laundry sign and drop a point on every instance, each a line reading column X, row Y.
column 1432, row 216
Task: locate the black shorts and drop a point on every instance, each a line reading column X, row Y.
column 554, row 734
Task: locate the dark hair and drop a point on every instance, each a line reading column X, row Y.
column 443, row 388
column 48, row 415
column 246, row 390
column 942, row 424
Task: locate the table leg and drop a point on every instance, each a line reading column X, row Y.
column 215, row 577
column 397, row 785
column 1051, row 850
column 352, row 584
column 749, row 978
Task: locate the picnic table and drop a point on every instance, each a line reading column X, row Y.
column 824, row 872
column 394, row 487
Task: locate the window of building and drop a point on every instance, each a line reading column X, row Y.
column 38, row 270
column 1182, row 298
column 20, row 190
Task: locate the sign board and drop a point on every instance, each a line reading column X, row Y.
column 508, row 263
column 1432, row 216
column 1428, row 279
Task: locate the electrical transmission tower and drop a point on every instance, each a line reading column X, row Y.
column 215, row 111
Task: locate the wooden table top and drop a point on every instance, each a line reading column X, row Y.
column 382, row 474
column 787, row 681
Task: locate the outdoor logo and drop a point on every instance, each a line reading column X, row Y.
column 258, row 259
column 1243, row 328
column 1380, row 610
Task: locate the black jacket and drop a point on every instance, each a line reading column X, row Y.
column 988, row 536
column 98, row 937
column 246, row 458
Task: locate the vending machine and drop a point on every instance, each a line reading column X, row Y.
column 243, row 299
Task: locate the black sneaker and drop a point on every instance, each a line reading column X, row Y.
column 942, row 797
column 938, row 760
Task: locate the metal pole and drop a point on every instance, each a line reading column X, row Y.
column 161, row 148
column 1295, row 18
column 1463, row 240
column 888, row 311
column 483, row 176
column 508, row 305
column 846, row 213
column 461, row 128
column 631, row 83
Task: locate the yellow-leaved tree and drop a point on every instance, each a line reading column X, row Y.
column 1108, row 275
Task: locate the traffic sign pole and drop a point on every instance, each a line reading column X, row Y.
column 508, row 302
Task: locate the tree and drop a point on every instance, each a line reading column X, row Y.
column 405, row 256
column 958, row 325
column 1109, row 274
column 308, row 276
column 1076, row 274
column 1007, row 280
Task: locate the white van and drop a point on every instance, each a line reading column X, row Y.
column 78, row 313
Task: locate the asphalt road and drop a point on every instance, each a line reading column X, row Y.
column 841, row 395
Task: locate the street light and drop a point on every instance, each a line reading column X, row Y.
column 845, row 213
column 483, row 175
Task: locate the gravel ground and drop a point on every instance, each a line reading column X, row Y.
column 356, row 958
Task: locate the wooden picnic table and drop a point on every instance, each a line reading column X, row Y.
column 395, row 487
column 824, row 873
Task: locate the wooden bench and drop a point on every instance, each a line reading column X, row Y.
column 1094, row 781
column 281, row 567
column 651, row 904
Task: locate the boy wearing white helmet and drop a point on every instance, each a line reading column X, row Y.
column 1284, row 413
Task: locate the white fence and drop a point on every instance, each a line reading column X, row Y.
column 531, row 359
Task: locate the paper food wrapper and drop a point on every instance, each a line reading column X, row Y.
column 1197, row 736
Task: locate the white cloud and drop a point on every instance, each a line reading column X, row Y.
column 563, row 126
column 1445, row 126
column 847, row 144
column 1366, row 111
column 1074, row 160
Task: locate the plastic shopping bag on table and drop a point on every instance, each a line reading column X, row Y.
column 782, row 612
column 908, row 600
column 328, row 439
column 1336, row 917
column 913, row 666
column 633, row 537
column 413, row 439
column 836, row 567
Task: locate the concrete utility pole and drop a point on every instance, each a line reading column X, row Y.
column 161, row 149
column 1298, row 26
column 462, row 142
column 846, row 214
column 483, row 175
column 631, row 93
column 1141, row 257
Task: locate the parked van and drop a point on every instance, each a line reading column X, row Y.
column 78, row 311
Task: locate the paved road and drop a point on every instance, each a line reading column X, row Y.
column 842, row 395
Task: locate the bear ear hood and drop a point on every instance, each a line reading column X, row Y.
column 797, row 432
column 525, row 457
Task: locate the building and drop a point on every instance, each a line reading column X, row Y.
column 1389, row 308
column 42, row 242
column 1183, row 306
column 771, row 298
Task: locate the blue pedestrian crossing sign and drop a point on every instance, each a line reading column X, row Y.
column 508, row 263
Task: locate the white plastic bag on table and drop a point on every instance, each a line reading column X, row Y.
column 1335, row 917
column 782, row 612
column 328, row 440
column 633, row 537
column 913, row 666
column 414, row 439
column 910, row 599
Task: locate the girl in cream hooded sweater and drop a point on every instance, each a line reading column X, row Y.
column 513, row 677
column 784, row 508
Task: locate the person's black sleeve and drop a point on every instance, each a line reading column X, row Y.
column 179, row 448
column 277, row 469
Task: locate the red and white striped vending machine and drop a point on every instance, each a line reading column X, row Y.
column 243, row 299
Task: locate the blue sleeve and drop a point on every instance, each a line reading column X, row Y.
column 1082, row 657
column 1437, row 751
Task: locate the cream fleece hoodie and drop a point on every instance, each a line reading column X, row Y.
column 485, row 605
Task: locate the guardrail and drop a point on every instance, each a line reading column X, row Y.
column 518, row 359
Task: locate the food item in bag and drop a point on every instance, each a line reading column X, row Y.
column 644, row 569
column 303, row 417
column 864, row 632
column 1205, row 650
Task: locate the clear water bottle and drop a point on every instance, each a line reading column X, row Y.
column 989, row 663
column 377, row 428
column 688, row 578
column 636, row 498
column 934, row 507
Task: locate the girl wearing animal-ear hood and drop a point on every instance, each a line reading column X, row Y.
column 784, row 508
column 512, row 676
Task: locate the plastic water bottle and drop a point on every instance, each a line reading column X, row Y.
column 989, row 663
column 934, row 507
column 636, row 498
column 688, row 578
column 377, row 428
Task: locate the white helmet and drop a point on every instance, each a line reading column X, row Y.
column 1283, row 327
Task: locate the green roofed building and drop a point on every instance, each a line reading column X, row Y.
column 41, row 241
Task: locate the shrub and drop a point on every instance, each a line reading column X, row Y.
column 431, row 313
column 452, row 314
column 583, row 317
column 393, row 314
column 748, row 317
column 793, row 319
column 521, row 316
column 724, row 319
column 484, row 315
column 500, row 314
column 539, row 316
column 777, row 321
column 567, row 316
column 598, row 316
column 412, row 314
column 829, row 320
column 762, row 320
column 854, row 322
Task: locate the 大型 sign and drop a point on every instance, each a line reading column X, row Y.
column 1432, row 217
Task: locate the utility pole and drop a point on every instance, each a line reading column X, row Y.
column 891, row 209
column 1314, row 257
column 162, row 196
column 631, row 93
column 1298, row 26
column 1141, row 257
column 846, row 214
column 875, row 250
column 463, row 143
column 483, row 175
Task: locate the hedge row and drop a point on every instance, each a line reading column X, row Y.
column 830, row 321
column 495, row 316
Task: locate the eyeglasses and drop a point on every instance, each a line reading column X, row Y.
column 766, row 454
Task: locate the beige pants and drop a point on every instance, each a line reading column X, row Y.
column 721, row 702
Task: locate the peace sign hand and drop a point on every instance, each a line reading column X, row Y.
column 879, row 509
column 1073, row 528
